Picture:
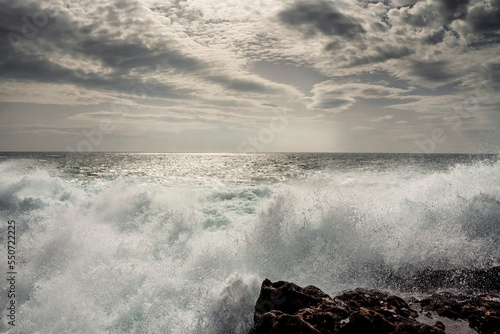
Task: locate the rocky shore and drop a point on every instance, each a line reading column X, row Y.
column 284, row 307
column 427, row 281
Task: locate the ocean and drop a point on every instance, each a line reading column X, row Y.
column 180, row 243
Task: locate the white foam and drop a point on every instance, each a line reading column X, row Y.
column 125, row 256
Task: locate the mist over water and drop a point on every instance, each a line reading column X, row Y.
column 180, row 243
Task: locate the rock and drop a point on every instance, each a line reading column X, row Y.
column 482, row 311
column 284, row 307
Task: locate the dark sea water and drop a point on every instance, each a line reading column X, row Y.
column 180, row 243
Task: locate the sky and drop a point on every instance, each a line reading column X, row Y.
column 250, row 76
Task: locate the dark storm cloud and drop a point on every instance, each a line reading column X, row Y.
column 323, row 17
column 482, row 19
column 449, row 10
column 433, row 71
column 415, row 20
column 79, row 41
column 123, row 56
column 435, row 38
column 454, row 9
column 35, row 66
column 240, row 85
column 246, row 86
column 383, row 53
column 453, row 6
column 40, row 69
column 34, row 60
column 11, row 17
column 332, row 103
column 485, row 20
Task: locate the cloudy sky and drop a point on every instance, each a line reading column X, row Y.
column 250, row 75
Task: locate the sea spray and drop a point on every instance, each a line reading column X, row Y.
column 129, row 254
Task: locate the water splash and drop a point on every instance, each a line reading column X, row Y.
column 122, row 255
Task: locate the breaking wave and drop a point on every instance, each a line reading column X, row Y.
column 126, row 256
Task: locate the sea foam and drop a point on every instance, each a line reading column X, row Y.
column 124, row 255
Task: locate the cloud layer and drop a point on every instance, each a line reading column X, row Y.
column 197, row 64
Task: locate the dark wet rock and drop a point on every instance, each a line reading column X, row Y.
column 482, row 311
column 284, row 307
